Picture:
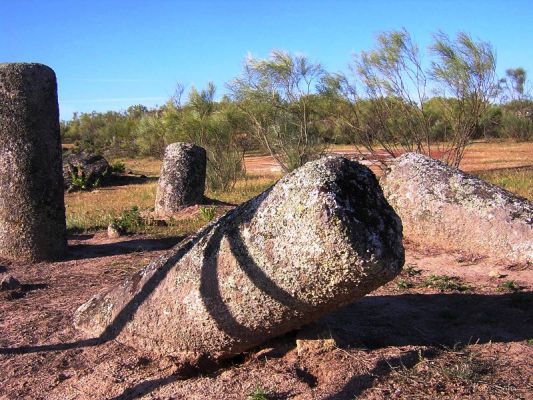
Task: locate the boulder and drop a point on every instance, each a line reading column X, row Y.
column 182, row 179
column 8, row 282
column 32, row 208
column 90, row 169
column 445, row 207
column 320, row 238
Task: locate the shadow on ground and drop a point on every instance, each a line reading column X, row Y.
column 85, row 251
column 431, row 320
column 124, row 180
column 24, row 289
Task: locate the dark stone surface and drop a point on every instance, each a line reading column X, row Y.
column 8, row 282
column 93, row 167
column 32, row 210
column 443, row 206
column 320, row 238
column 182, row 178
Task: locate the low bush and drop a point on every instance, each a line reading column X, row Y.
column 129, row 221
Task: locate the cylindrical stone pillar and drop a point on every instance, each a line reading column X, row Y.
column 320, row 238
column 182, row 178
column 32, row 208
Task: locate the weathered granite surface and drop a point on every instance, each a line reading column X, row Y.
column 32, row 210
column 443, row 206
column 322, row 237
column 182, row 178
column 93, row 167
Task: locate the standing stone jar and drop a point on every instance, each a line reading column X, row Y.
column 32, row 208
column 182, row 178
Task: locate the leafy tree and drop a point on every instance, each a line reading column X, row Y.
column 383, row 103
column 464, row 70
column 276, row 97
column 394, row 81
column 517, row 120
column 212, row 126
column 513, row 85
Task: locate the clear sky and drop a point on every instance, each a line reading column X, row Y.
column 111, row 54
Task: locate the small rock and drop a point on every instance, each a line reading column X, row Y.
column 304, row 346
column 8, row 282
column 113, row 231
column 496, row 274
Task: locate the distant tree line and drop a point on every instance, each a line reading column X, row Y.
column 393, row 99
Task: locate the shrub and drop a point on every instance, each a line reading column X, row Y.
column 259, row 394
column 82, row 181
column 517, row 127
column 404, row 284
column 129, row 221
column 118, row 167
column 509, row 286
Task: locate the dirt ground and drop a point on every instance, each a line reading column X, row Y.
column 468, row 336
column 480, row 156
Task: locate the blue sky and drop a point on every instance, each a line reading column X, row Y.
column 109, row 55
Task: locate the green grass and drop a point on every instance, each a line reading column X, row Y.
column 518, row 181
column 411, row 270
column 509, row 286
column 404, row 284
column 259, row 394
column 445, row 283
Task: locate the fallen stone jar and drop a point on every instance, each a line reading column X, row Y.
column 321, row 237
column 445, row 207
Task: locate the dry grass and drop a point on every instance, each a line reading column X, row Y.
column 519, row 181
column 483, row 156
column 90, row 211
column 95, row 210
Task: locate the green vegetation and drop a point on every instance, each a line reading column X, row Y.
column 92, row 211
column 259, row 394
column 129, row 221
column 404, row 284
column 276, row 98
column 509, row 286
column 291, row 108
column 208, row 213
column 411, row 270
column 445, row 283
column 118, row 167
column 81, row 181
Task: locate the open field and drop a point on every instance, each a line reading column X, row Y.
column 506, row 164
column 451, row 326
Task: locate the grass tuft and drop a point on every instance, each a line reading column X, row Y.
column 509, row 286
column 259, row 394
column 445, row 283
